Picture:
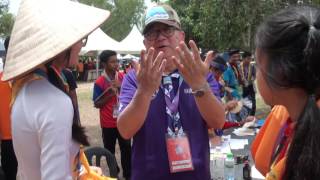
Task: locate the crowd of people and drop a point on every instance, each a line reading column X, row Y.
column 160, row 110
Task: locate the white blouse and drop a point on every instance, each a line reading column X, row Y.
column 42, row 132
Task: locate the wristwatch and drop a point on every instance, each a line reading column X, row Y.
column 201, row 91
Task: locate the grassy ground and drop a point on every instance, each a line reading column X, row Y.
column 90, row 115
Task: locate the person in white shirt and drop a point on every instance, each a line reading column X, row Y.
column 46, row 136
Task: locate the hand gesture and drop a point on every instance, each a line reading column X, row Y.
column 115, row 84
column 190, row 65
column 231, row 105
column 149, row 71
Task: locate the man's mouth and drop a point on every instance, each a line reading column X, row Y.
column 160, row 47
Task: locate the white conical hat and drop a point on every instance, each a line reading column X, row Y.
column 45, row 28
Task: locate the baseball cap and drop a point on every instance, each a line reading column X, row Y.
column 219, row 63
column 162, row 13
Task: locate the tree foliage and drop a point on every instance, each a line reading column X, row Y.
column 124, row 14
column 223, row 24
column 6, row 19
column 4, row 4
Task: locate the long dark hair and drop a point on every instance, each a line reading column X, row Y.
column 78, row 132
column 291, row 41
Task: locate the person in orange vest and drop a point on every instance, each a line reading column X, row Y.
column 288, row 77
column 8, row 158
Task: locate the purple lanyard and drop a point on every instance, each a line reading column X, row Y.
column 172, row 107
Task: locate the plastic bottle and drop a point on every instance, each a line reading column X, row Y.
column 246, row 171
column 229, row 163
column 217, row 164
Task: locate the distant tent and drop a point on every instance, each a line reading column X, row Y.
column 129, row 56
column 133, row 43
column 99, row 41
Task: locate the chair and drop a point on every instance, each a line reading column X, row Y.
column 99, row 152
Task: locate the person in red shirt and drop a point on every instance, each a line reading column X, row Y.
column 105, row 97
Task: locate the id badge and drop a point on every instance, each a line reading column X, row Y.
column 115, row 110
column 179, row 153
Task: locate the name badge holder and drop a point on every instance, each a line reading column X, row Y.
column 115, row 110
column 178, row 147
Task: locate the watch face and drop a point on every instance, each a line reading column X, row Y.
column 199, row 93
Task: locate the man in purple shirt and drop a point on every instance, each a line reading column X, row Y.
column 168, row 103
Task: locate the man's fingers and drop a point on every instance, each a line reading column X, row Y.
column 136, row 66
column 149, row 58
column 158, row 60
column 195, row 51
column 162, row 66
column 180, row 66
column 209, row 58
column 182, row 58
column 187, row 54
column 142, row 58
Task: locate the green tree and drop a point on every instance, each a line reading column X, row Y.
column 6, row 19
column 4, row 4
column 223, row 24
column 124, row 14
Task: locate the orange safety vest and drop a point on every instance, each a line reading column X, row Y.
column 5, row 110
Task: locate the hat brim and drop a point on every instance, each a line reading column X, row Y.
column 167, row 22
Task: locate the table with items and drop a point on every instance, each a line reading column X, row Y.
column 230, row 157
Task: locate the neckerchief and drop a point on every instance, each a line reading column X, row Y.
column 172, row 103
column 236, row 71
column 246, row 74
column 62, row 78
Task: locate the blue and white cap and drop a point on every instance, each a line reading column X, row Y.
column 162, row 13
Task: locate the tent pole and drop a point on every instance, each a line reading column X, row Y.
column 97, row 64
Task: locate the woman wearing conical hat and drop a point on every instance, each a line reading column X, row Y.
column 46, row 136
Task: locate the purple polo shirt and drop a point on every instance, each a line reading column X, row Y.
column 149, row 153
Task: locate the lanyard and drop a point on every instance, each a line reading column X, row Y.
column 172, row 106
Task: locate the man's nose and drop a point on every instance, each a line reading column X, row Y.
column 160, row 36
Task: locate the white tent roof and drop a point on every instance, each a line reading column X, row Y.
column 99, row 41
column 133, row 43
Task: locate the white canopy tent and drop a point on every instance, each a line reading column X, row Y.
column 99, row 41
column 133, row 43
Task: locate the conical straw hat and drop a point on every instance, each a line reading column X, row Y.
column 45, row 28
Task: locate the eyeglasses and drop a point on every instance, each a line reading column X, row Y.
column 168, row 31
column 84, row 41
